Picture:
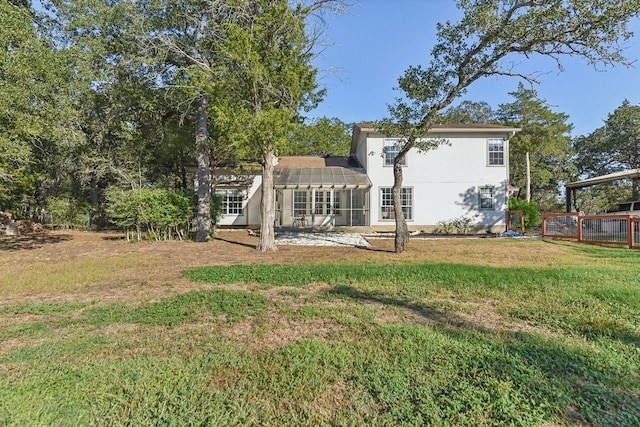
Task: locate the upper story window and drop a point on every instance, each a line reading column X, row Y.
column 495, row 154
column 391, row 151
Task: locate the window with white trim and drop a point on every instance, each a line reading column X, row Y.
column 391, row 151
column 486, row 198
column 495, row 152
column 387, row 210
column 231, row 202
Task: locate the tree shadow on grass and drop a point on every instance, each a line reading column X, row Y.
column 428, row 313
column 234, row 242
column 31, row 241
column 563, row 378
column 372, row 249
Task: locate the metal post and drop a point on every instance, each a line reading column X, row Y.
column 313, row 207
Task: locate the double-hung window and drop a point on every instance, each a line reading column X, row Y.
column 391, row 151
column 486, row 198
column 495, row 152
column 387, row 210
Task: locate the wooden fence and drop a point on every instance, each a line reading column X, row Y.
column 599, row 229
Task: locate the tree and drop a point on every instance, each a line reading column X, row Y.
column 38, row 127
column 478, row 46
column 545, row 139
column 319, row 137
column 468, row 112
column 613, row 147
column 124, row 117
column 181, row 45
column 270, row 54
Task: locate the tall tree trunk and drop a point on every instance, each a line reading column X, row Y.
column 267, row 241
column 203, row 215
column 528, row 177
column 402, row 231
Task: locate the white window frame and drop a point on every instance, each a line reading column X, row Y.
column 486, row 192
column 232, row 203
column 386, row 203
column 390, row 152
column 495, row 156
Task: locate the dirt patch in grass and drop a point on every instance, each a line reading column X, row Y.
column 103, row 268
column 278, row 330
column 62, row 266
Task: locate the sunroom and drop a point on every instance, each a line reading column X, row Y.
column 320, row 192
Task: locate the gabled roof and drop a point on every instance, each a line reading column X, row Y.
column 441, row 127
column 437, row 130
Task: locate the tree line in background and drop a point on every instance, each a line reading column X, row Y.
column 101, row 97
column 555, row 157
column 105, row 95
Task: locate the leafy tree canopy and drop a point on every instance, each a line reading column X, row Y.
column 320, row 136
column 613, row 147
column 545, row 135
column 469, row 112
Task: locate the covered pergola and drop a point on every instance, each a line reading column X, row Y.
column 571, row 187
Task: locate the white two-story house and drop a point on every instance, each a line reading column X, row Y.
column 466, row 177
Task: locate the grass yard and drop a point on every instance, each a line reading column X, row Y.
column 482, row 332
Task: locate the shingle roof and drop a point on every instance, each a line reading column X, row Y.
column 316, row 161
column 449, row 126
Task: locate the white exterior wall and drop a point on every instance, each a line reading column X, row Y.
column 445, row 181
column 250, row 207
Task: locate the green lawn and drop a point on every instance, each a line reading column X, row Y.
column 416, row 343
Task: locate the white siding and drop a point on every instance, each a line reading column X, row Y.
column 251, row 207
column 445, row 181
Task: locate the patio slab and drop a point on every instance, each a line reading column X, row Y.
column 321, row 239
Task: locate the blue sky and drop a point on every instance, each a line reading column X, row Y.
column 369, row 48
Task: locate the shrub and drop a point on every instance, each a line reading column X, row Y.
column 67, row 212
column 157, row 213
column 530, row 210
column 461, row 225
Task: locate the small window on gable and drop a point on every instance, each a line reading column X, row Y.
column 495, row 154
column 391, row 151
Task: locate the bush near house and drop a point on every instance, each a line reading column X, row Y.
column 531, row 212
column 154, row 213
